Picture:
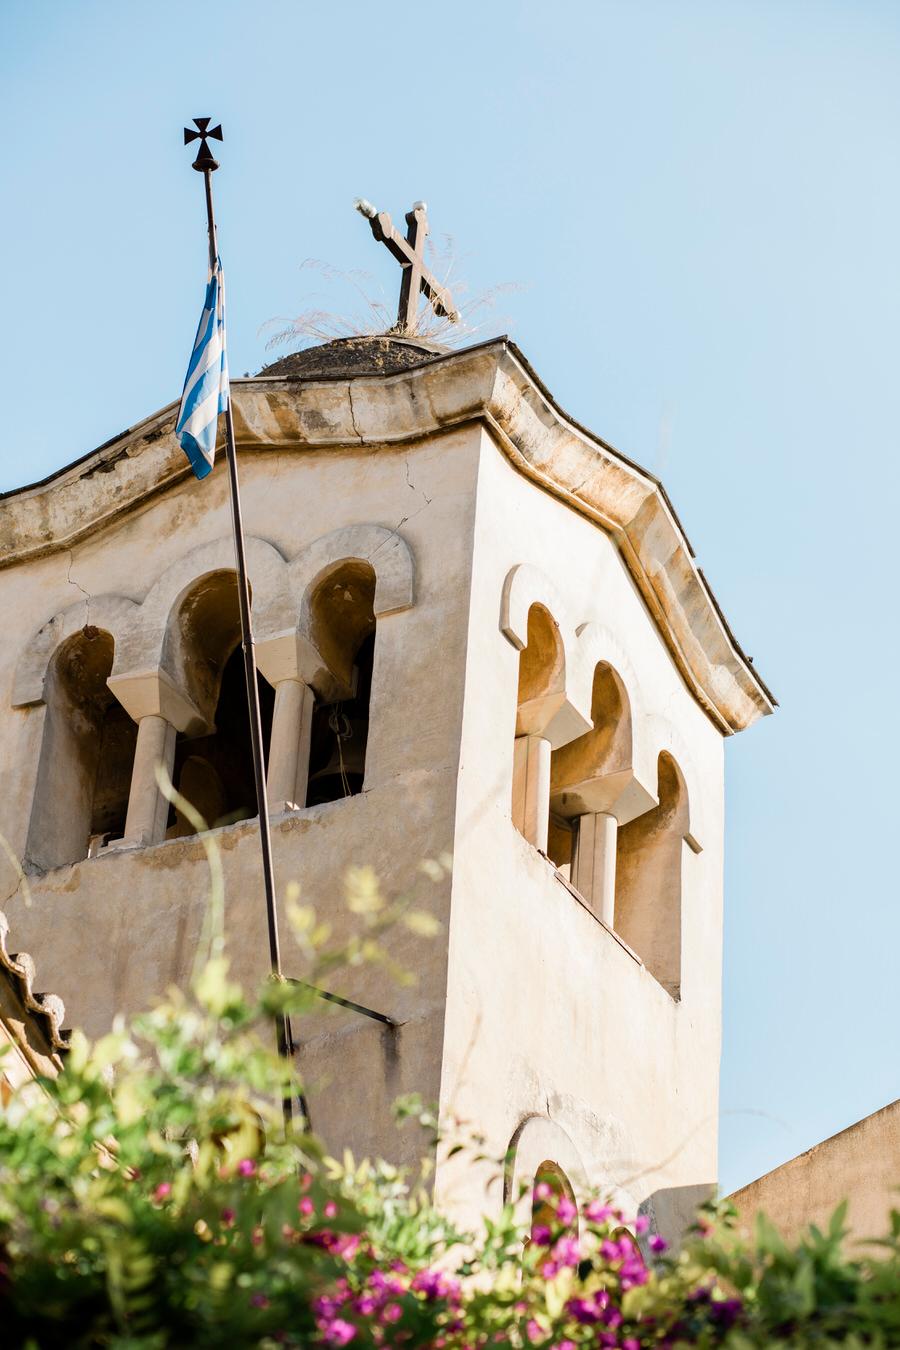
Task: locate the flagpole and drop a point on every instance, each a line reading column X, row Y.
column 206, row 164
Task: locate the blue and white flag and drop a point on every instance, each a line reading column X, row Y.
column 205, row 392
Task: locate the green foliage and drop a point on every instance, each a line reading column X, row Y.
column 150, row 1197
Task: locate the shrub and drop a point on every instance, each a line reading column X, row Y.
column 151, row 1197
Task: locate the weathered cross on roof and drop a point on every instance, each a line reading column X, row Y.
column 410, row 254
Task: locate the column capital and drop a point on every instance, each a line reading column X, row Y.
column 290, row 655
column 154, row 693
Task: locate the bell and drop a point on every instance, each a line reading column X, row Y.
column 342, row 775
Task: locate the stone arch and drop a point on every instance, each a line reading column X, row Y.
column 202, row 654
column 339, row 612
column 524, row 588
column 385, row 551
column 86, row 755
column 114, row 614
column 604, row 778
column 148, row 639
column 539, row 1142
column 648, row 894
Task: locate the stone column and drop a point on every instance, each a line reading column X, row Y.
column 531, row 789
column 594, row 863
column 161, row 708
column 148, row 809
column 289, row 746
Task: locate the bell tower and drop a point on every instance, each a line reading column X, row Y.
column 481, row 633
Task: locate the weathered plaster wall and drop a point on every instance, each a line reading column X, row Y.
column 860, row 1165
column 113, row 932
column 548, row 1014
column 530, row 1020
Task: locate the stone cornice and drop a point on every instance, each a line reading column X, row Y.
column 491, row 383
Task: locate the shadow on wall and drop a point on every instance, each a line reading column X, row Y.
column 672, row 1209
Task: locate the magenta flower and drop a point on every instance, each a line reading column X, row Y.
column 246, row 1168
column 597, row 1213
column 258, row 1301
column 566, row 1212
column 338, row 1332
column 306, row 1207
column 541, row 1235
column 641, row 1223
column 163, row 1190
column 658, row 1244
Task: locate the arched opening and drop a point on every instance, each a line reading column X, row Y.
column 214, row 772
column 551, row 1186
column 588, row 777
column 649, row 880
column 342, row 627
column 87, row 752
column 541, row 692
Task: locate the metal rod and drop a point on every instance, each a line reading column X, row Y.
column 346, row 1003
column 283, row 1034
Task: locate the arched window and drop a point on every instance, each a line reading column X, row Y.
column 592, row 787
column 551, row 1185
column 84, row 772
column 215, row 771
column 648, row 879
column 342, row 628
column 542, row 674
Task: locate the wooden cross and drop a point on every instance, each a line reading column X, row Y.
column 410, row 254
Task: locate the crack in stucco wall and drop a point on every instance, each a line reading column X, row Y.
column 77, row 584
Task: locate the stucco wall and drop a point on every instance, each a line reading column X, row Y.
column 860, row 1165
column 548, row 1014
column 530, row 1021
column 112, row 932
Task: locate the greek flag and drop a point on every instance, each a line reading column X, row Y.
column 205, row 392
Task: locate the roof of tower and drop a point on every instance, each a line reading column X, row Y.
column 384, row 354
column 378, row 391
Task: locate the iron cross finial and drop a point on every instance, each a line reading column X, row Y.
column 410, row 254
column 204, row 160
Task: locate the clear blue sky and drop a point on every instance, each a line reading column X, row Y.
column 701, row 204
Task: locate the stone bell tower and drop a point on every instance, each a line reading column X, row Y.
column 482, row 633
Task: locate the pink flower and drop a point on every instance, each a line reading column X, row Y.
column 567, row 1251
column 330, row 1210
column 306, row 1207
column 597, row 1213
column 541, row 1235
column 533, row 1331
column 658, row 1244
column 641, row 1223
column 228, row 1217
column 392, row 1313
column 338, row 1332
column 565, row 1210
column 542, row 1191
column 246, row 1168
column 163, row 1190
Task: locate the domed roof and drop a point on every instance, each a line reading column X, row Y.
column 382, row 355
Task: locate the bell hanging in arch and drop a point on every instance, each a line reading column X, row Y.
column 343, row 772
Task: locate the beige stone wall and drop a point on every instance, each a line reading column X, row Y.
column 531, row 1021
column 113, row 932
column 860, row 1165
column 549, row 1016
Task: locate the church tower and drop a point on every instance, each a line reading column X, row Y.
column 481, row 633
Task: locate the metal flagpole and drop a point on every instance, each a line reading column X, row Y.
column 207, row 165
